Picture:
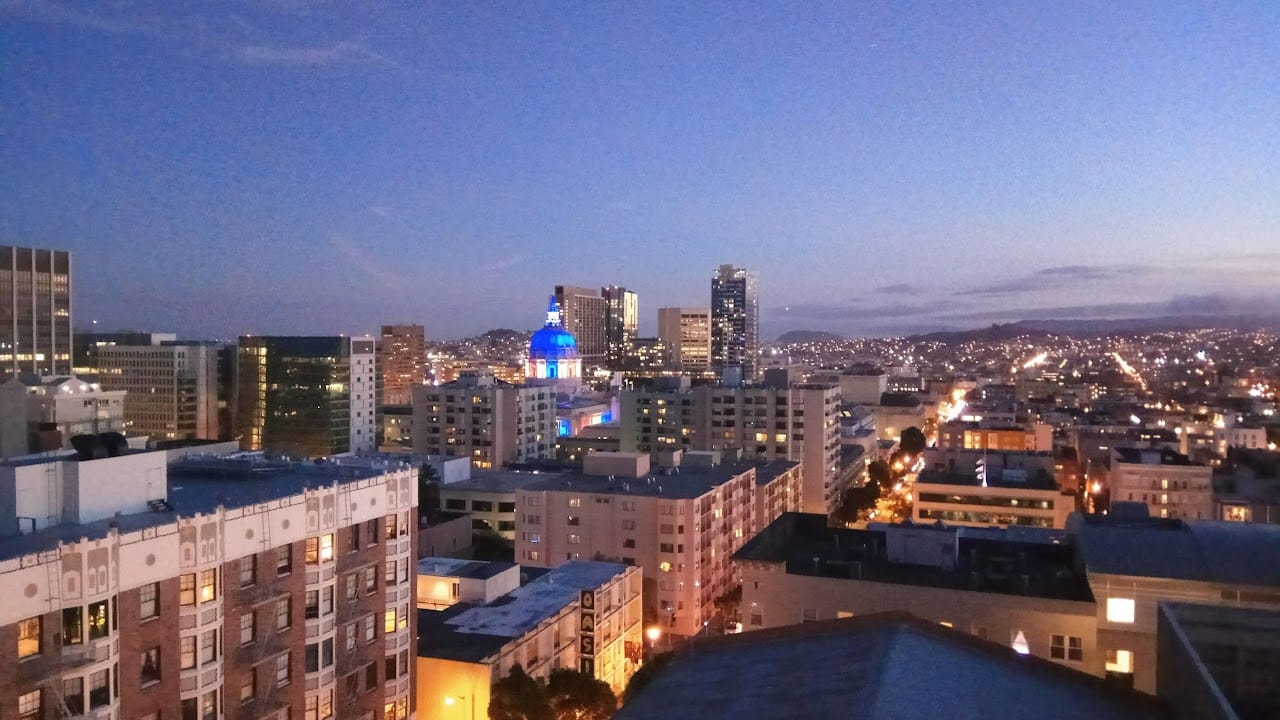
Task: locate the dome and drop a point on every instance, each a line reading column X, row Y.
column 553, row 341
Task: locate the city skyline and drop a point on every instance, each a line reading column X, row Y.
column 288, row 168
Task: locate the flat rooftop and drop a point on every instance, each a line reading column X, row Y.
column 994, row 561
column 471, row 633
column 469, row 569
column 1200, row 550
column 1033, row 481
column 499, row 481
column 889, row 666
column 771, row 471
column 1152, row 456
column 685, row 482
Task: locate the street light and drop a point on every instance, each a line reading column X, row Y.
column 450, row 700
column 654, row 633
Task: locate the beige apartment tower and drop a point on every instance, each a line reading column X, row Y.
column 402, row 353
column 686, row 332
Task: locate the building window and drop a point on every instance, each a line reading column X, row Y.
column 248, row 570
column 187, row 652
column 1020, row 644
column 1120, row 661
column 350, row 638
column 282, row 669
column 389, row 622
column 370, row 676
column 809, row 615
column 148, row 601
column 575, row 539
column 208, row 585
column 99, row 689
column 209, row 705
column 1066, row 647
column 1120, row 610
column 326, row 600
column 370, row 628
column 29, row 705
column 371, row 532
column 187, row 589
column 353, row 538
column 73, row 694
column 390, row 524
column 151, row 666
column 283, row 619
column 370, row 580
column 98, row 625
column 284, row 560
column 208, row 647
column 72, row 625
column 319, row 549
column 575, row 502
column 574, row 520
column 311, row 609
column 247, row 628
column 30, row 638
column 248, row 686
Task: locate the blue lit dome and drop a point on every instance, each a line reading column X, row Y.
column 553, row 351
column 553, row 341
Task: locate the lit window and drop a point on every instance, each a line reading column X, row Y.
column 1120, row 610
column 1019, row 643
column 208, row 585
column 664, row 566
column 187, row 589
column 1119, row 661
column 29, row 637
column 389, row 621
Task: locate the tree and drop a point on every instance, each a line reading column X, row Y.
column 878, row 473
column 428, row 489
column 519, row 697
column 576, row 695
column 912, row 441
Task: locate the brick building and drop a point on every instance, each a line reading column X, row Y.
column 213, row 587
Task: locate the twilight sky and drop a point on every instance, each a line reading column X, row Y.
column 279, row 166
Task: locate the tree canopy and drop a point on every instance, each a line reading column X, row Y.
column 576, row 695
column 912, row 441
column 519, row 697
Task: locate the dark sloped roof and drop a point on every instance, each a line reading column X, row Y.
column 877, row 666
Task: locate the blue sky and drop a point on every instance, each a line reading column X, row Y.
column 288, row 167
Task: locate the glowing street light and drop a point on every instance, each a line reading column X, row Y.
column 653, row 633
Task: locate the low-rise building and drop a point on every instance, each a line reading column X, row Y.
column 444, row 534
column 490, row 497
column 583, row 615
column 43, row 413
column 1169, row 483
column 1017, row 498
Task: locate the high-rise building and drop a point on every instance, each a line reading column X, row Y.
column 622, row 321
column 308, row 395
column 171, row 389
column 35, row 311
column 84, row 350
column 209, row 588
column 735, row 317
column 485, row 419
column 403, row 362
column 583, row 312
column 686, row 333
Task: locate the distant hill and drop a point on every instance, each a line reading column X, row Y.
column 1095, row 328
column 808, row 336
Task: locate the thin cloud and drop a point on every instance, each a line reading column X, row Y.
column 899, row 289
column 333, row 54
column 502, row 264
column 1055, row 277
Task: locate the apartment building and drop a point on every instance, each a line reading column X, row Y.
column 1033, row 437
column 583, row 615
column 800, row 422
column 485, row 419
column 1085, row 597
column 1169, row 483
column 214, row 587
column 1014, row 587
column 402, row 361
column 680, row 522
column 490, row 497
column 171, row 390
column 1017, row 498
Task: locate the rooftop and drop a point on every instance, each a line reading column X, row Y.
column 499, row 481
column 1152, row 456
column 769, row 472
column 1035, row 564
column 889, row 666
column 684, row 482
column 1033, row 481
column 1199, row 550
column 469, row 569
column 471, row 633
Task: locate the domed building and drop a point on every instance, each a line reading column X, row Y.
column 553, row 353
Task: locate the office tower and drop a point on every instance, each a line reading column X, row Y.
column 485, row 419
column 583, row 312
column 35, row 311
column 621, row 323
column 735, row 338
column 309, row 396
column 84, row 348
column 171, row 389
column 240, row 589
column 686, row 333
column 403, row 360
